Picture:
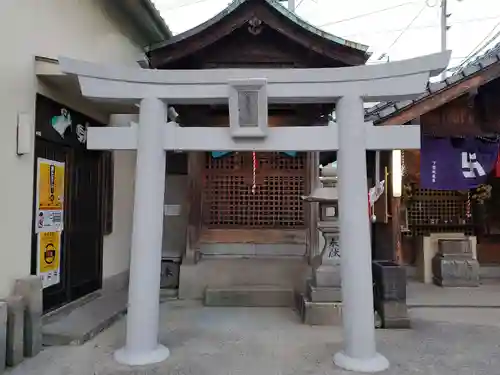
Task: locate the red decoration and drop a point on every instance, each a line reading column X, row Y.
column 497, row 166
column 254, row 170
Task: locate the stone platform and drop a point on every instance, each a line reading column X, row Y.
column 319, row 313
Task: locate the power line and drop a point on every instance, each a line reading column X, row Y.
column 480, row 45
column 472, row 20
column 383, row 62
column 298, row 5
column 182, row 5
column 407, row 27
column 369, row 13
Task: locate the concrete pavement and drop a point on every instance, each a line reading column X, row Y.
column 248, row 341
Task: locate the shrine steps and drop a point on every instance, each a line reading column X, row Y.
column 249, row 296
column 246, row 279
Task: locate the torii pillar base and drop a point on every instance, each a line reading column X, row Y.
column 368, row 365
column 124, row 357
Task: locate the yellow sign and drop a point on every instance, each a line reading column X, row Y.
column 49, row 257
column 50, row 196
column 50, row 185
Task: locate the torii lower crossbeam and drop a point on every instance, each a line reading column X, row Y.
column 351, row 136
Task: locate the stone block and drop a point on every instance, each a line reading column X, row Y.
column 320, row 313
column 30, row 288
column 3, row 335
column 15, row 330
column 456, row 246
column 324, row 294
column 327, row 276
column 402, row 323
column 394, row 314
column 455, row 271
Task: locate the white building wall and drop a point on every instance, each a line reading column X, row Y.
column 51, row 28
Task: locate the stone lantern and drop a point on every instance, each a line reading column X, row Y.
column 321, row 303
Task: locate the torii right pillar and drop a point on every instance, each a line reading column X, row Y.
column 356, row 137
column 359, row 352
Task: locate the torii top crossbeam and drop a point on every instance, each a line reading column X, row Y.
column 381, row 82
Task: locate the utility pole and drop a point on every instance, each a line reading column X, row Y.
column 291, row 5
column 444, row 30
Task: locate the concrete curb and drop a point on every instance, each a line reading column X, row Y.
column 424, row 306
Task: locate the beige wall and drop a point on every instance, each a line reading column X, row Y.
column 49, row 28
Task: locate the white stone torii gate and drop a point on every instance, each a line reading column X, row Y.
column 350, row 135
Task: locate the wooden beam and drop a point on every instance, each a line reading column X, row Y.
column 312, row 209
column 396, row 229
column 438, row 99
column 194, row 206
column 254, row 236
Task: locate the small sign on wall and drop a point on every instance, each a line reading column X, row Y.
column 49, row 196
column 49, row 258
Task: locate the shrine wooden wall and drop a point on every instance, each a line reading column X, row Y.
column 476, row 113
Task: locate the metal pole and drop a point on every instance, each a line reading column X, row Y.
column 444, row 30
column 291, row 5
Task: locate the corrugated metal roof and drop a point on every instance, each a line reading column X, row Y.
column 276, row 5
column 157, row 18
column 384, row 110
column 142, row 18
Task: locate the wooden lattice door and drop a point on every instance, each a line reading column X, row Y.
column 230, row 202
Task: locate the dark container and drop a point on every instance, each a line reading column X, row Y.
column 390, row 280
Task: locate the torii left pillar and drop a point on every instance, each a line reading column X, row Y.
column 142, row 345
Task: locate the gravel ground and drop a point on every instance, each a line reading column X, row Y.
column 258, row 341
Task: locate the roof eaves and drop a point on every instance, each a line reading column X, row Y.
column 382, row 111
column 306, row 25
column 143, row 20
column 158, row 21
column 195, row 30
column 276, row 5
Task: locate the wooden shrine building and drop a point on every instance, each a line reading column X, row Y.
column 463, row 105
column 248, row 205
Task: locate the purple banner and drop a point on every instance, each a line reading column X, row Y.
column 455, row 164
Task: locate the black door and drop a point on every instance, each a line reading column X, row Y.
column 88, row 210
column 84, row 230
column 81, row 241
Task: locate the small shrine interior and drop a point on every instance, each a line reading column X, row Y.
column 245, row 197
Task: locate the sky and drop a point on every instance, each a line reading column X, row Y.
column 409, row 29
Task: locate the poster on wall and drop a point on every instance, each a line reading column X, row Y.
column 49, row 196
column 49, row 258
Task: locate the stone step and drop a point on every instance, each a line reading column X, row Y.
column 249, row 296
column 323, row 294
column 319, row 313
column 83, row 323
column 287, row 273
